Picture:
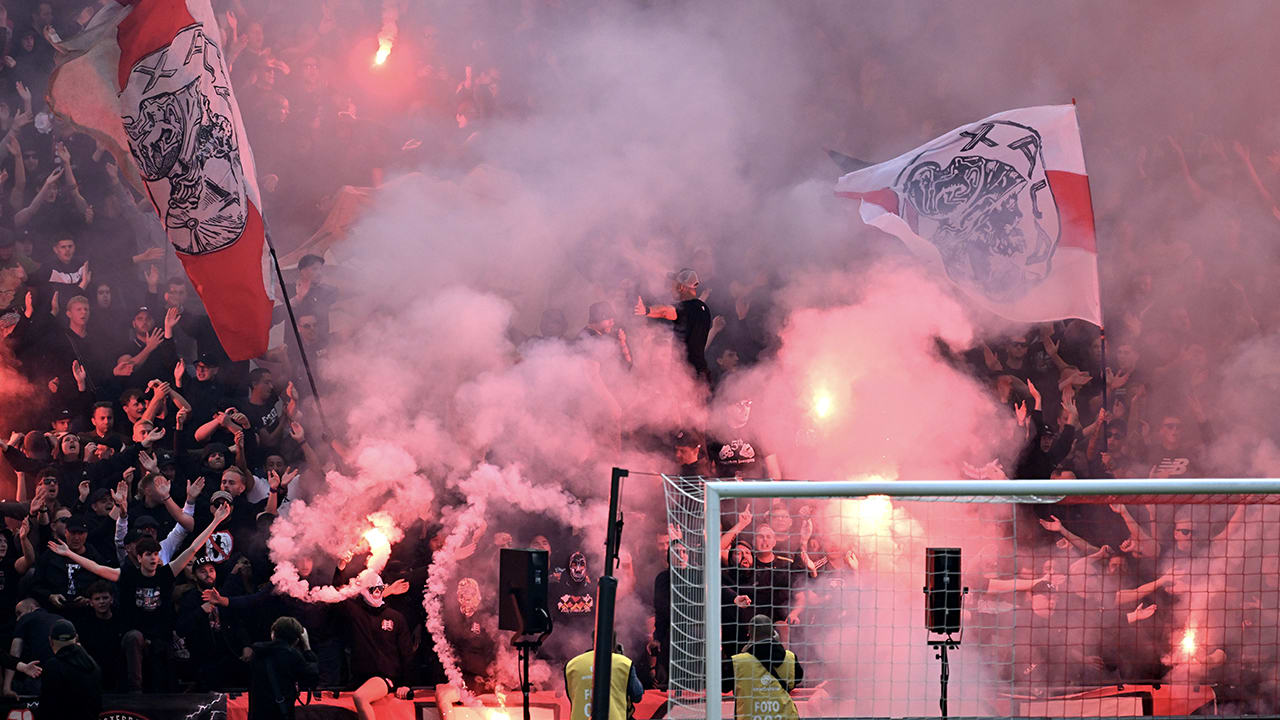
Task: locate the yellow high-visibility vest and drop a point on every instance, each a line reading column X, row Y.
column 758, row 695
column 579, row 674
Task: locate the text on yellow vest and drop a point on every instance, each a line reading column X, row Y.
column 758, row 695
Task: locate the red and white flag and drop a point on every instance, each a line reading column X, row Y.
column 157, row 68
column 1002, row 207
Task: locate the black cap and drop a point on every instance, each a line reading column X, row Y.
column 62, row 415
column 165, row 457
column 98, row 494
column 145, row 521
column 214, row 447
column 145, row 309
column 77, row 523
column 209, row 359
column 62, row 630
column 308, row 260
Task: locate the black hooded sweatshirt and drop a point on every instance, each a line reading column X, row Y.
column 380, row 640
column 70, row 687
column 278, row 672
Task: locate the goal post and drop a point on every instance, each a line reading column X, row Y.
column 1049, row 599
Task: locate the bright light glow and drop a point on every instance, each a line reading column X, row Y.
column 378, row 541
column 1188, row 644
column 868, row 517
column 823, row 404
column 876, row 509
column 384, row 51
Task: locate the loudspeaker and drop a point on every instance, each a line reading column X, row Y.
column 942, row 590
column 522, row 591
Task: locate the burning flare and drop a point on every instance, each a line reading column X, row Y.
column 823, row 404
column 1188, row 642
column 384, row 50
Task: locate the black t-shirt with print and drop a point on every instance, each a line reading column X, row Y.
column 147, row 602
column 737, row 453
column 263, row 416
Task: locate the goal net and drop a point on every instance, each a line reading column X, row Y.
column 1045, row 598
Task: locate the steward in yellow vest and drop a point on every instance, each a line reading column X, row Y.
column 763, row 675
column 624, row 686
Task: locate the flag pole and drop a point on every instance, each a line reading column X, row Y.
column 302, row 350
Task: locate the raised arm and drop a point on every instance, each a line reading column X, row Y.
column 656, row 312
column 726, row 540
column 106, row 573
column 180, row 563
column 1126, row 597
column 1139, row 539
column 28, row 559
column 1054, row 525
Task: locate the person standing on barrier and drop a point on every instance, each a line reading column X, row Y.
column 624, row 685
column 763, row 675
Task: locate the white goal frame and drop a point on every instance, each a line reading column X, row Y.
column 994, row 490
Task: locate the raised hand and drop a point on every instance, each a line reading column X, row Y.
column 179, row 371
column 83, row 489
column 121, row 495
column 78, row 372
column 640, row 309
column 1142, row 612
column 153, row 339
column 154, row 436
column 222, row 512
column 24, row 93
column 194, row 488
column 57, row 547
column 171, row 318
column 52, row 180
column 290, row 474
column 152, row 275
column 148, row 463
column 1052, row 524
column 399, row 587
column 163, row 485
column 297, row 432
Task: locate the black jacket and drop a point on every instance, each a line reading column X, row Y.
column 381, row 641
column 70, row 687
column 279, row 670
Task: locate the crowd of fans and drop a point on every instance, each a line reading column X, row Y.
column 149, row 468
